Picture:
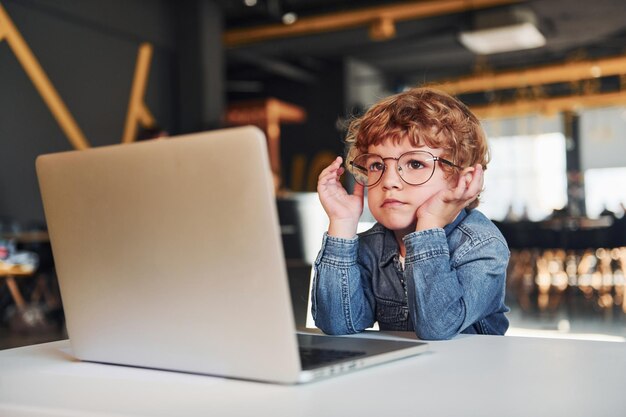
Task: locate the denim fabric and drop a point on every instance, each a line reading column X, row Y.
column 453, row 281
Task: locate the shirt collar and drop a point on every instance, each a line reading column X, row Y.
column 459, row 218
column 390, row 247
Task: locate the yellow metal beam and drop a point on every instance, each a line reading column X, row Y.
column 550, row 105
column 41, row 81
column 2, row 30
column 355, row 18
column 138, row 112
column 563, row 72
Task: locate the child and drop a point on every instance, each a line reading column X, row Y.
column 431, row 264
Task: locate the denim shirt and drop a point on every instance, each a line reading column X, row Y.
column 453, row 281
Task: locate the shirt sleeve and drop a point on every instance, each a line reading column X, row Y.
column 445, row 299
column 342, row 300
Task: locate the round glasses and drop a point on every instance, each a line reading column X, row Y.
column 414, row 167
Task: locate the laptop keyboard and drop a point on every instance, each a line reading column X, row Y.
column 315, row 357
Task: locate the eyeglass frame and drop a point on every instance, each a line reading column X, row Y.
column 434, row 159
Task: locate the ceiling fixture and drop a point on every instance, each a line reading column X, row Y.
column 502, row 30
column 382, row 29
column 289, row 18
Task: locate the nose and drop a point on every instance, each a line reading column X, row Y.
column 391, row 176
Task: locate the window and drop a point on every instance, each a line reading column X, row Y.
column 604, row 189
column 603, row 158
column 526, row 177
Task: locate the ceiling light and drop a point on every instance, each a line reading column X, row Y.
column 505, row 39
column 596, row 71
column 503, row 30
column 289, row 18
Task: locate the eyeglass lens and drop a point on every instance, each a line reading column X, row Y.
column 414, row 168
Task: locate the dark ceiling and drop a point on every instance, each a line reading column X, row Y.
column 425, row 49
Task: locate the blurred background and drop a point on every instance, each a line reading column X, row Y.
column 546, row 77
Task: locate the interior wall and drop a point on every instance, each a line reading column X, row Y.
column 321, row 136
column 88, row 49
column 365, row 85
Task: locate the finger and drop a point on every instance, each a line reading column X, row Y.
column 458, row 192
column 327, row 177
column 336, row 175
column 476, row 184
column 468, row 178
column 478, row 173
column 328, row 181
column 463, row 180
column 472, row 179
column 331, row 188
column 460, row 195
column 331, row 178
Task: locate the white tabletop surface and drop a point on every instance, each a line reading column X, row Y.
column 468, row 376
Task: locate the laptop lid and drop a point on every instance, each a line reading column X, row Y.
column 168, row 255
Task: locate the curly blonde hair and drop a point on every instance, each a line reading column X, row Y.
column 424, row 116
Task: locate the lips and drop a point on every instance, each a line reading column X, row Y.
column 392, row 202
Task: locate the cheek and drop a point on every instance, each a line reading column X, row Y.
column 421, row 194
column 370, row 197
column 373, row 202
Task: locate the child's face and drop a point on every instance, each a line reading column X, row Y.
column 392, row 201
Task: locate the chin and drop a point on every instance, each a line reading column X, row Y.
column 399, row 224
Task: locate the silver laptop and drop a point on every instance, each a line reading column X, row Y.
column 169, row 256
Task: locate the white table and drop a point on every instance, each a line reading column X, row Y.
column 468, row 376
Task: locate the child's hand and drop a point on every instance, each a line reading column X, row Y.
column 442, row 208
column 343, row 209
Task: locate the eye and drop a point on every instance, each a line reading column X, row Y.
column 376, row 167
column 414, row 164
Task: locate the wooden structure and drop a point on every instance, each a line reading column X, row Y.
column 380, row 20
column 267, row 114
